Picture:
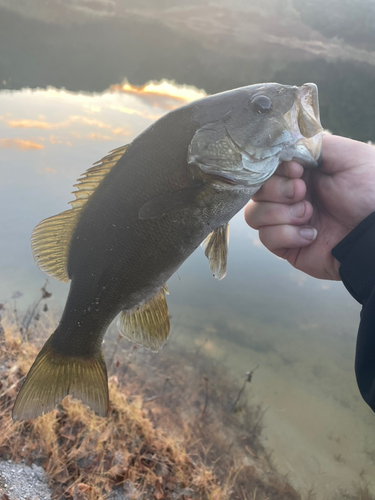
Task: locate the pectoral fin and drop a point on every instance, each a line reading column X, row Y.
column 216, row 250
column 172, row 200
column 147, row 325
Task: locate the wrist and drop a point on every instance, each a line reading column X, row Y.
column 355, row 255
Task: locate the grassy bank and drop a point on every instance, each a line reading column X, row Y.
column 176, row 426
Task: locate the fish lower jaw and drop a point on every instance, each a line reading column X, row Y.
column 307, row 152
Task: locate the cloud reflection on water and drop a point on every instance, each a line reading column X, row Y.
column 48, row 138
column 20, row 144
column 164, row 95
column 78, row 117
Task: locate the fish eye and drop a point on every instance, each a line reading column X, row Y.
column 261, row 104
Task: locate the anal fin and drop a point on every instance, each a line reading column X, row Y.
column 148, row 324
column 216, row 250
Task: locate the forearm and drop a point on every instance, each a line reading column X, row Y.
column 356, row 254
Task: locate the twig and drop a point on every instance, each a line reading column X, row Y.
column 152, row 398
column 11, row 387
column 112, row 358
column 205, row 399
column 166, row 381
column 31, row 313
column 16, row 296
column 257, row 422
column 249, row 451
column 129, row 359
column 162, row 394
column 249, row 376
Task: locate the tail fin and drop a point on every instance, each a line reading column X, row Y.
column 53, row 376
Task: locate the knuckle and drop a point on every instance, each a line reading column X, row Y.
column 250, row 216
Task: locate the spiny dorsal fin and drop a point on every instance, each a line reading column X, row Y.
column 147, row 325
column 216, row 250
column 91, row 179
column 50, row 240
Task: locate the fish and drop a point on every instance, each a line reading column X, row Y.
column 141, row 211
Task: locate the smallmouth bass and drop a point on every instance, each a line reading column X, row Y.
column 141, row 211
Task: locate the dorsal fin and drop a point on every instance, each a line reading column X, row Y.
column 50, row 240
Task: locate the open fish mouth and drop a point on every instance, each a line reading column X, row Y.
column 303, row 142
column 303, row 121
column 245, row 147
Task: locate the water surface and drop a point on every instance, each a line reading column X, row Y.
column 300, row 331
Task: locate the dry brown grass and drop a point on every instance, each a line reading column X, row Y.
column 169, row 432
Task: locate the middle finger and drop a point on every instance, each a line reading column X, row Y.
column 264, row 213
column 280, row 189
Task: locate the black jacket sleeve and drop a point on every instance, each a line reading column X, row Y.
column 356, row 254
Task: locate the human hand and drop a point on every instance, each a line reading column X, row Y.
column 301, row 215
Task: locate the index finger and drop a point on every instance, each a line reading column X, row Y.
column 283, row 186
column 290, row 169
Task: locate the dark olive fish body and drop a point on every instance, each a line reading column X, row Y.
column 103, row 282
column 142, row 212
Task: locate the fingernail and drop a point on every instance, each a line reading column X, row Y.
column 298, row 209
column 309, row 233
column 288, row 189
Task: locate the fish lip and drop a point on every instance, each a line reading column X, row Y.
column 310, row 91
column 306, row 152
column 303, row 121
column 309, row 156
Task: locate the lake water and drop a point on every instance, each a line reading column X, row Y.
column 300, row 331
